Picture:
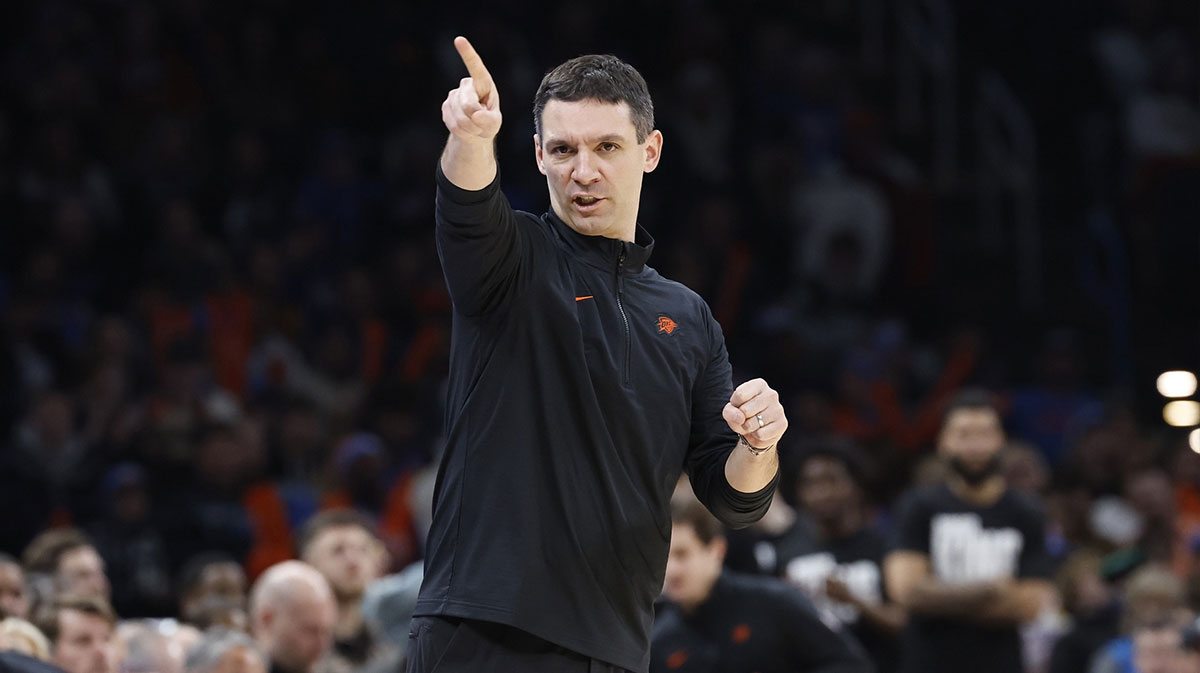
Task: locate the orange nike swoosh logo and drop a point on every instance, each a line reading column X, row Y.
column 582, row 298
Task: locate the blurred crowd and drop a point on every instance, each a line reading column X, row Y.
column 223, row 328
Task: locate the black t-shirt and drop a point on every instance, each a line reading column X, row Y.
column 751, row 624
column 967, row 543
column 757, row 553
column 857, row 560
column 582, row 383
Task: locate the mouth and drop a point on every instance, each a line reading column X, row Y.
column 586, row 203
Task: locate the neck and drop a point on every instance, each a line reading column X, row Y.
column 986, row 493
column 690, row 607
column 349, row 621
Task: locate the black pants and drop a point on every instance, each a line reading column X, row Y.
column 448, row 645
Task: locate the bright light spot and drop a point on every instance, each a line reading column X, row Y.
column 1182, row 413
column 1194, row 440
column 1176, row 384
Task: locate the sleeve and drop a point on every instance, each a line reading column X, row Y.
column 911, row 526
column 712, row 440
column 1035, row 561
column 480, row 244
column 812, row 646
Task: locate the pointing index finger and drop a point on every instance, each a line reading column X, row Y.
column 475, row 68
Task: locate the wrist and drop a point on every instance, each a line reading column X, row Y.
column 757, row 452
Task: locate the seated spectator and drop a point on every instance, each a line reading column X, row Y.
column 1152, row 595
column 387, row 609
column 723, row 621
column 212, row 592
column 292, row 616
column 14, row 595
column 225, row 651
column 69, row 558
column 342, row 545
column 18, row 635
column 81, row 634
column 843, row 570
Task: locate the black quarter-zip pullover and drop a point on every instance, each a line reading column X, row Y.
column 581, row 384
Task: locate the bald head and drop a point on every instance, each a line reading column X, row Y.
column 292, row 615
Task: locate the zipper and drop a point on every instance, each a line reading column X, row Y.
column 621, row 308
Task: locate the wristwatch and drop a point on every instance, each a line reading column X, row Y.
column 757, row 452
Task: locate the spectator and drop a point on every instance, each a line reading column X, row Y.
column 68, row 557
column 343, row 547
column 969, row 562
column 81, row 634
column 723, row 621
column 14, row 595
column 225, row 651
column 212, row 592
column 144, row 649
column 843, row 571
column 292, row 616
column 1094, row 611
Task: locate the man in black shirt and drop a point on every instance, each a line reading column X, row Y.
column 969, row 561
column 721, row 621
column 843, row 571
column 581, row 385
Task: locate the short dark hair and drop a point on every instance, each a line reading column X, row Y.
column 7, row 560
column 47, row 549
column 842, row 451
column 46, row 617
column 974, row 399
column 690, row 512
column 599, row 77
column 332, row 518
column 193, row 569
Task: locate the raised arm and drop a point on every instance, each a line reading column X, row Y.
column 472, row 115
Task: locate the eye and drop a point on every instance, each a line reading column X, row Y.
column 609, row 147
column 560, row 149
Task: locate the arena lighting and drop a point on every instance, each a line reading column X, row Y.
column 1182, row 413
column 1176, row 384
column 1194, row 440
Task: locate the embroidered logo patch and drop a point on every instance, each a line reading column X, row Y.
column 666, row 325
column 741, row 633
column 678, row 658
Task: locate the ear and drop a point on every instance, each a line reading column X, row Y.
column 719, row 546
column 537, row 153
column 653, row 150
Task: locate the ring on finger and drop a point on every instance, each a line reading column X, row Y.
column 761, row 423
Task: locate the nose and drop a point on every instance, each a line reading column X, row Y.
column 585, row 171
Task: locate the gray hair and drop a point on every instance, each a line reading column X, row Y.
column 217, row 642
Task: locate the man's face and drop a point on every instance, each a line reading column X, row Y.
column 85, row 643
column 692, row 567
column 593, row 163
column 347, row 556
column 14, row 598
column 81, row 572
column 972, row 439
column 300, row 632
column 826, row 489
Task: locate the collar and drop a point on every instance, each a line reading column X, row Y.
column 605, row 252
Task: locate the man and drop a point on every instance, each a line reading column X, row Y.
column 81, row 631
column 224, row 651
column 292, row 615
column 14, row 595
column 969, row 563
column 843, row 571
column 68, row 557
column 729, row 622
column 342, row 546
column 581, row 384
column 212, row 592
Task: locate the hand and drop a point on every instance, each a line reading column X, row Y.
column 472, row 111
column 750, row 401
column 837, row 590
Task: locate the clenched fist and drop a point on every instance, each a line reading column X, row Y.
column 755, row 413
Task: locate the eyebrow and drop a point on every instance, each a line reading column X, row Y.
column 608, row 138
